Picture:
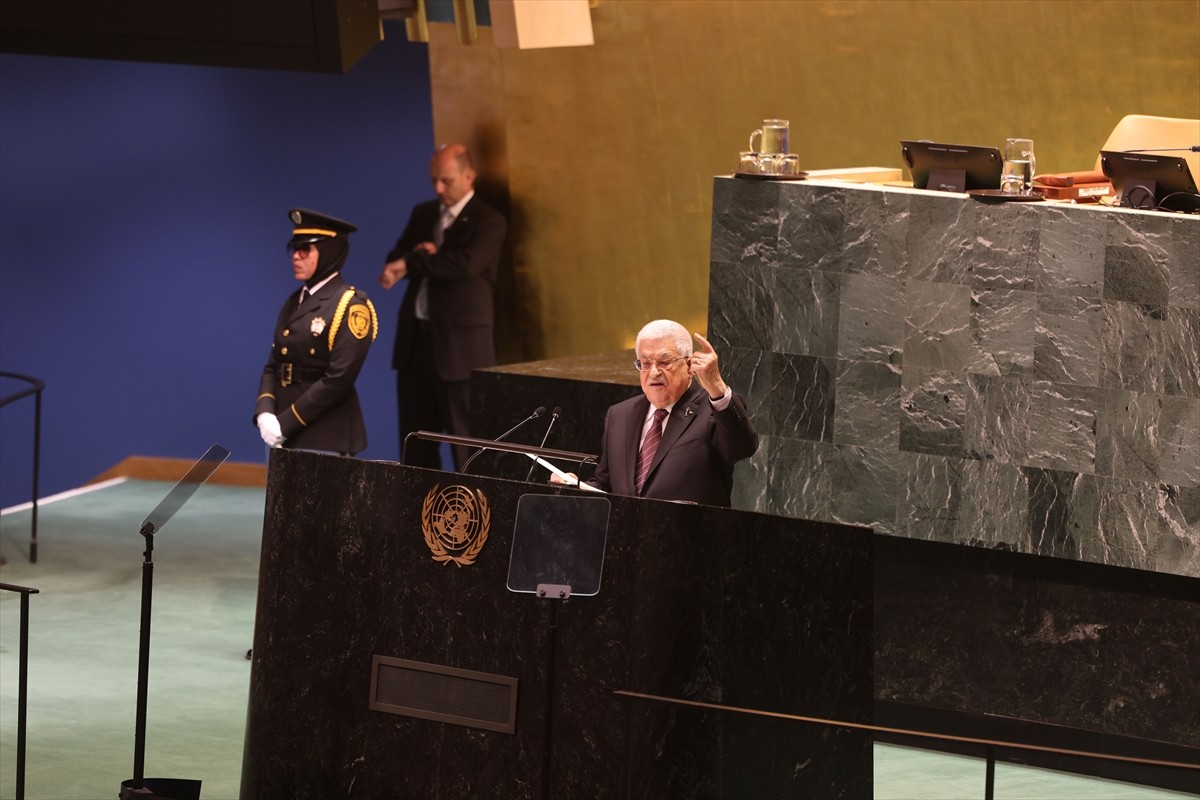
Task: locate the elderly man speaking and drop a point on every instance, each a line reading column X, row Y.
column 679, row 440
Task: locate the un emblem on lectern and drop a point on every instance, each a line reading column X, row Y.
column 455, row 523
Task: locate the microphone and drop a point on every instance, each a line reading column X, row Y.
column 553, row 419
column 537, row 412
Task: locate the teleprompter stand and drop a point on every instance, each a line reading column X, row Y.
column 139, row 787
column 557, row 551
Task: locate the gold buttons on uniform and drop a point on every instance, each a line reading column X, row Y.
column 312, row 351
column 287, row 332
column 283, row 350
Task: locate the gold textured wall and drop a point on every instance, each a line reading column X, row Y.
column 605, row 154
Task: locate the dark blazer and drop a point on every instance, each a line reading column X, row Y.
column 461, row 276
column 695, row 460
column 318, row 408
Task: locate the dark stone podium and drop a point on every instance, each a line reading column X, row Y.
column 725, row 607
column 1023, row 376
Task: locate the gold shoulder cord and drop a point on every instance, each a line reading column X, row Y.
column 374, row 320
column 341, row 312
column 337, row 315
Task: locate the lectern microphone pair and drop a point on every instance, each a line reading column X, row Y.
column 537, row 413
column 540, row 455
column 537, row 453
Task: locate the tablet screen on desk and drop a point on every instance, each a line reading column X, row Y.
column 980, row 165
column 1144, row 180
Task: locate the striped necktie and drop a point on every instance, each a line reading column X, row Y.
column 649, row 448
column 439, row 237
column 444, row 222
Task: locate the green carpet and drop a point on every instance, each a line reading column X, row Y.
column 84, row 655
column 905, row 773
column 84, row 638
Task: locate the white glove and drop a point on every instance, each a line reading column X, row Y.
column 268, row 429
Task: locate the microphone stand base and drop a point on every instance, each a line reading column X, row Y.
column 161, row 789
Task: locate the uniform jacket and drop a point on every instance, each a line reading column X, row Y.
column 695, row 459
column 308, row 380
column 461, row 276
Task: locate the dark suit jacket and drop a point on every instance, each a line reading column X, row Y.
column 461, row 276
column 319, row 409
column 695, row 460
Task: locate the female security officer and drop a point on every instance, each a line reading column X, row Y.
column 306, row 399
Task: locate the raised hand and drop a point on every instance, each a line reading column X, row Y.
column 704, row 365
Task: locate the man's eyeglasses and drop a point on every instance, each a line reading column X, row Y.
column 663, row 364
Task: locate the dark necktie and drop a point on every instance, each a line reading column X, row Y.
column 649, row 448
column 439, row 230
column 439, row 238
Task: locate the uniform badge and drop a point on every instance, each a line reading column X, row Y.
column 456, row 523
column 358, row 320
column 318, row 326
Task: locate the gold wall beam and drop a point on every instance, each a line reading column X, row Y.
column 416, row 27
column 464, row 21
column 529, row 24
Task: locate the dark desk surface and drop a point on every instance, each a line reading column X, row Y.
column 611, row 367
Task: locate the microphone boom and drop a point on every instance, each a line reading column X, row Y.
column 553, row 419
column 537, row 412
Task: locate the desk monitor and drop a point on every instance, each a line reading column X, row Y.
column 952, row 167
column 1146, row 180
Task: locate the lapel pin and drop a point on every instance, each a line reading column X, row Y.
column 687, row 411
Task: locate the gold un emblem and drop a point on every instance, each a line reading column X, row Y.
column 455, row 523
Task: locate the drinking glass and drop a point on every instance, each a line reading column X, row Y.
column 1016, row 176
column 769, row 163
column 748, row 161
column 773, row 137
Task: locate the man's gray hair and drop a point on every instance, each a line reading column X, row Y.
column 664, row 328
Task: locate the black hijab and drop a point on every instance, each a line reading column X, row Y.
column 332, row 252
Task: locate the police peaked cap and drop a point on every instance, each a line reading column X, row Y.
column 312, row 226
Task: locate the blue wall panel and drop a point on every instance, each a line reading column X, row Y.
column 143, row 219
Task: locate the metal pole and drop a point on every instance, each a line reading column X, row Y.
column 989, row 781
column 22, row 695
column 37, row 451
column 548, row 752
column 22, row 682
column 139, row 736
